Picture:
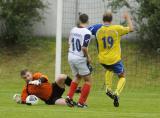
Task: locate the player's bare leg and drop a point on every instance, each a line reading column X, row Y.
column 60, row 101
column 61, row 81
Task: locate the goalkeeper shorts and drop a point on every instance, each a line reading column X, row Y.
column 57, row 93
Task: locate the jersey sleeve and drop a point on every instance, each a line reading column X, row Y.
column 122, row 30
column 39, row 75
column 94, row 28
column 24, row 95
column 86, row 40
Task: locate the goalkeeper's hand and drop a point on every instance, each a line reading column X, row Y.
column 35, row 82
column 17, row 98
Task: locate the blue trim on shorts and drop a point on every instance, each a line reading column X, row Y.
column 118, row 68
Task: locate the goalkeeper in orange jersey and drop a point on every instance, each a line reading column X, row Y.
column 109, row 51
column 37, row 84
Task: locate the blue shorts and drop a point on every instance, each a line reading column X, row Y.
column 117, row 68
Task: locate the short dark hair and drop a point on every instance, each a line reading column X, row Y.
column 23, row 72
column 83, row 18
column 107, row 17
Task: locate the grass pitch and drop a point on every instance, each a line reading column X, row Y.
column 133, row 104
column 140, row 99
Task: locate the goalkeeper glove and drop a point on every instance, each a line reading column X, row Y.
column 35, row 82
column 17, row 98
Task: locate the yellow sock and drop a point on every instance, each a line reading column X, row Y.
column 120, row 85
column 108, row 80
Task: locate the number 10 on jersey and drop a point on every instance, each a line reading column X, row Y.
column 76, row 45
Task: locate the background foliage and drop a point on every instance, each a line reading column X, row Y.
column 17, row 18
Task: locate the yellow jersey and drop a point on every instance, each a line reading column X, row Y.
column 108, row 42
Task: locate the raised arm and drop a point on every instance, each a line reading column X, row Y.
column 129, row 21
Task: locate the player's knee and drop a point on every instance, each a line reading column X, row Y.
column 61, row 79
column 88, row 79
column 62, row 76
column 121, row 75
column 77, row 78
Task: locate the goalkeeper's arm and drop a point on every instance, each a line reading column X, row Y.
column 38, row 82
column 17, row 99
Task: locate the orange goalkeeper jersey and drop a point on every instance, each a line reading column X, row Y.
column 42, row 91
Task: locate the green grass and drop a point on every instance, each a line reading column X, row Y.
column 140, row 99
column 135, row 104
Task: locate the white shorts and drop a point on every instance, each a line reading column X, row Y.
column 78, row 65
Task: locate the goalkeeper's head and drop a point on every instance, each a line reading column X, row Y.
column 26, row 75
column 83, row 19
column 107, row 17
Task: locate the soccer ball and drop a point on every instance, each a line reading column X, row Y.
column 32, row 99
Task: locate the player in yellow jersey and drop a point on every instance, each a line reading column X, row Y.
column 109, row 51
